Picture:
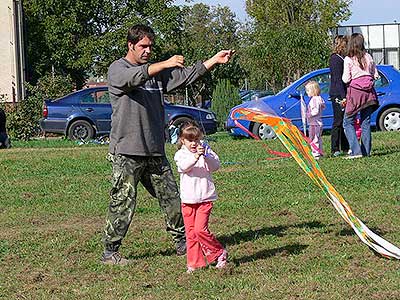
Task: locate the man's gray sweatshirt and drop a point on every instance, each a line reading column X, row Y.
column 137, row 100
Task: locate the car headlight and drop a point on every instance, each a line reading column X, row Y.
column 210, row 117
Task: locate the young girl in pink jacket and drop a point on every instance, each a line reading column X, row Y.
column 314, row 117
column 195, row 165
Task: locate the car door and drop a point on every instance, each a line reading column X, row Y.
column 292, row 107
column 383, row 90
column 96, row 106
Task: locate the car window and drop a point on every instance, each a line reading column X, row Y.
column 88, row 98
column 103, row 97
column 96, row 97
column 324, row 81
column 381, row 81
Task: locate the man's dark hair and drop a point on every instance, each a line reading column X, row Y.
column 139, row 31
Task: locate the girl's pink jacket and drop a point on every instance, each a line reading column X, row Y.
column 196, row 183
column 314, row 110
column 352, row 69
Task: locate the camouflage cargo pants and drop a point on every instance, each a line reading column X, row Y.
column 156, row 176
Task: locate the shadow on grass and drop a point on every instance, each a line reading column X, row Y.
column 244, row 236
column 148, row 254
column 250, row 235
column 350, row 231
column 385, row 150
column 294, row 249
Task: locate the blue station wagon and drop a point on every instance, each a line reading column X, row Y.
column 286, row 103
column 86, row 113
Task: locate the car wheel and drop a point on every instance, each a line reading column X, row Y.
column 263, row 131
column 81, row 130
column 390, row 119
column 179, row 121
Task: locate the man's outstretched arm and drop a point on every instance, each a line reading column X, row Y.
column 221, row 57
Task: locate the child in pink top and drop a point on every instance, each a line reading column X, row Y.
column 197, row 190
column 314, row 117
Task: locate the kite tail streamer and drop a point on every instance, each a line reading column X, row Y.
column 301, row 151
column 277, row 153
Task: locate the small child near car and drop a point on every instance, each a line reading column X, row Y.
column 198, row 194
column 314, row 117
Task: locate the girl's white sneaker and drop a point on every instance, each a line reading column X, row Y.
column 222, row 260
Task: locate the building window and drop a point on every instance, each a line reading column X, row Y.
column 382, row 41
column 392, row 57
column 377, row 55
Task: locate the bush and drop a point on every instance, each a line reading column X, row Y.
column 23, row 118
column 225, row 96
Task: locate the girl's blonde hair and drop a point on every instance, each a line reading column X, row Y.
column 312, row 88
column 189, row 130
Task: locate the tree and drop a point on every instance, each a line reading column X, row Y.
column 83, row 37
column 289, row 38
column 324, row 13
column 207, row 30
column 225, row 96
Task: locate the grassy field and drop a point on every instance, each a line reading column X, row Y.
column 284, row 238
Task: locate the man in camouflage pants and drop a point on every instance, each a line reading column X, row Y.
column 137, row 137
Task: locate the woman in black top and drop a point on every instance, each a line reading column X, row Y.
column 337, row 95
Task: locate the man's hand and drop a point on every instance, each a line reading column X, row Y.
column 172, row 62
column 222, row 57
column 175, row 61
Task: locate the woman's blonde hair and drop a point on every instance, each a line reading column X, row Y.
column 340, row 45
column 312, row 88
column 189, row 130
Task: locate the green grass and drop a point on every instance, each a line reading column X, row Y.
column 285, row 240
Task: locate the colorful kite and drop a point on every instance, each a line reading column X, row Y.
column 300, row 150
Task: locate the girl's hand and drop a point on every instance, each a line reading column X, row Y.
column 200, row 150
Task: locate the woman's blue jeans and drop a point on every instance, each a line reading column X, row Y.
column 348, row 124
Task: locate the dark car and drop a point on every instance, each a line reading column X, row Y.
column 286, row 103
column 86, row 113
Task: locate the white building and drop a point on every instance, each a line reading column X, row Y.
column 12, row 64
column 381, row 41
